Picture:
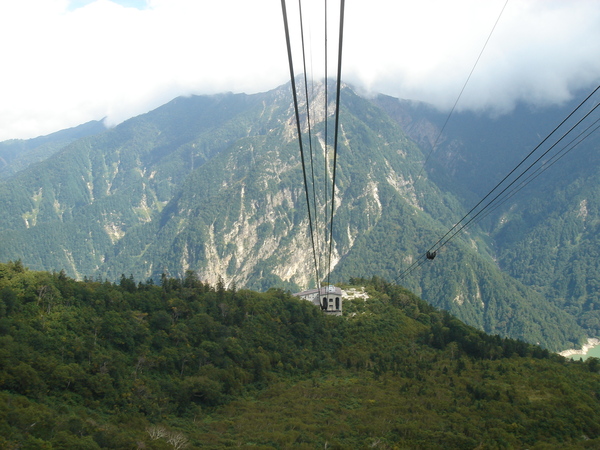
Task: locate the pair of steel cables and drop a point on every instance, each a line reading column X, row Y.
column 315, row 229
column 512, row 183
column 560, row 141
column 515, row 180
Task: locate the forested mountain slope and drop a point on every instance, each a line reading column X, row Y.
column 70, row 210
column 546, row 235
column 185, row 364
column 17, row 154
column 213, row 184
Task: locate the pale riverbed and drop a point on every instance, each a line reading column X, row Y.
column 590, row 349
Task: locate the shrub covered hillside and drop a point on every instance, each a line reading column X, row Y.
column 94, row 364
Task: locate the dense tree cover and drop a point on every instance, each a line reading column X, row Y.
column 563, row 232
column 96, row 364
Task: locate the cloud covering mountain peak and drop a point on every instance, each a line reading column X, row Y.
column 73, row 61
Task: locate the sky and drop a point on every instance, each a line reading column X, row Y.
column 66, row 62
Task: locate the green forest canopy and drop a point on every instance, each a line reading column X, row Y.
column 95, row 364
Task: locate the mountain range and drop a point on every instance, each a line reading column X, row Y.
column 214, row 185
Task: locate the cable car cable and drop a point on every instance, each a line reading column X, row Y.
column 516, row 167
column 299, row 128
column 411, row 267
column 316, row 216
column 545, row 166
column 336, row 131
column 325, row 149
column 515, row 180
column 461, row 92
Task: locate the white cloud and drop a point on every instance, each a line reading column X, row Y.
column 65, row 62
column 540, row 51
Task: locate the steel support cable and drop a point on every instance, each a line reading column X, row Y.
column 295, row 97
column 516, row 167
column 452, row 111
column 312, row 171
column 544, row 166
column 414, row 266
column 336, row 131
column 461, row 92
column 325, row 151
column 410, row 268
column 515, row 180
